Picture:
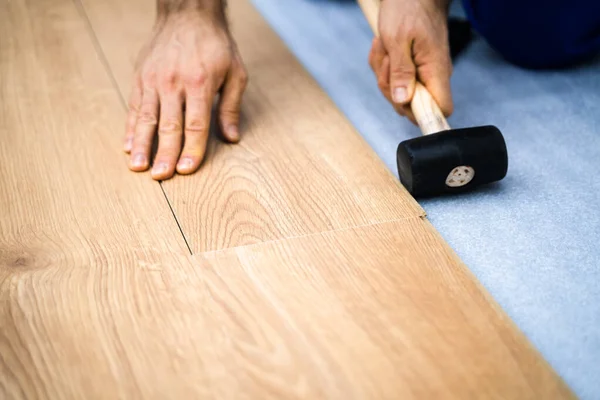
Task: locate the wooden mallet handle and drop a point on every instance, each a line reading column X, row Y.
column 427, row 113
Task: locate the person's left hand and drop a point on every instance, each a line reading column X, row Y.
column 188, row 61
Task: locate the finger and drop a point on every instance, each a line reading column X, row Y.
column 170, row 131
column 402, row 71
column 135, row 101
column 383, row 78
column 384, row 86
column 376, row 55
column 145, row 130
column 435, row 76
column 380, row 62
column 198, row 108
column 231, row 100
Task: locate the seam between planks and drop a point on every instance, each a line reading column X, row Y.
column 422, row 217
column 102, row 56
column 103, row 59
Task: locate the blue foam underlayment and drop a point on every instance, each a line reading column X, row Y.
column 532, row 239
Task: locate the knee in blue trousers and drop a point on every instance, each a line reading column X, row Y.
column 538, row 33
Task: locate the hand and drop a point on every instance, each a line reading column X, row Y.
column 413, row 44
column 190, row 58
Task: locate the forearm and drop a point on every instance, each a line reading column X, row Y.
column 441, row 4
column 215, row 8
column 428, row 4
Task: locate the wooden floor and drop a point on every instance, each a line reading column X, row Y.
column 292, row 265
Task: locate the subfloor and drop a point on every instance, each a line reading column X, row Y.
column 532, row 239
column 293, row 265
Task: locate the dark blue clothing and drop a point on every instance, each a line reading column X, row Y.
column 538, row 33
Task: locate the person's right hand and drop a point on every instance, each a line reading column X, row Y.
column 190, row 58
column 413, row 45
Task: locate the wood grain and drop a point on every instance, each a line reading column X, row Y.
column 384, row 311
column 63, row 194
column 70, row 216
column 300, row 169
column 100, row 300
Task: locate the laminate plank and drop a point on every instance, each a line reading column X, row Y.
column 110, row 330
column 70, row 216
column 64, row 195
column 99, row 299
column 384, row 311
column 300, row 168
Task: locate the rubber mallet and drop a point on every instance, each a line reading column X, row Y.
column 444, row 160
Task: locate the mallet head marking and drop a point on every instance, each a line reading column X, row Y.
column 460, row 176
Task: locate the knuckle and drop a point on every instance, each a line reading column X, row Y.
column 195, row 132
column 400, row 71
column 169, row 79
column 393, row 38
column 147, row 118
column 409, row 31
column 195, row 127
column 196, row 78
column 229, row 114
column 169, row 127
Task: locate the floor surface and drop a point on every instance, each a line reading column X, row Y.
column 314, row 274
column 532, row 239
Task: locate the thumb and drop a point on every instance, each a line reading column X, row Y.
column 402, row 73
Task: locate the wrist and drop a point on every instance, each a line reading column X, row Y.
column 442, row 5
column 211, row 9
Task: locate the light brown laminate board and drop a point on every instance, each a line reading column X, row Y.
column 69, row 215
column 98, row 298
column 300, row 168
column 64, row 193
column 384, row 311
column 110, row 330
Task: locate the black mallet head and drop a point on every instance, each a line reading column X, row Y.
column 452, row 161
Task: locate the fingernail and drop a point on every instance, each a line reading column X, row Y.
column 159, row 169
column 139, row 160
column 400, row 95
column 232, row 132
column 185, row 163
column 128, row 144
